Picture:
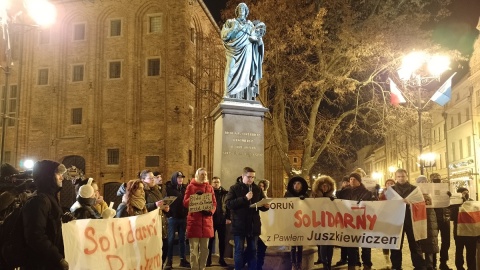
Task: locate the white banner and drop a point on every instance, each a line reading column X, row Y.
column 115, row 243
column 320, row 221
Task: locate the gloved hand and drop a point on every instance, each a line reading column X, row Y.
column 199, row 192
column 64, row 264
column 302, row 197
column 449, row 194
column 332, row 198
column 206, row 213
column 67, row 217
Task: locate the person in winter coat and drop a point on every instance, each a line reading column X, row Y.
column 358, row 192
column 388, row 183
column 221, row 218
column 133, row 201
column 42, row 219
column 323, row 187
column 177, row 218
column 469, row 243
column 84, row 207
column 154, row 199
column 199, row 224
column 261, row 247
column 245, row 219
column 429, row 245
column 343, row 250
column 404, row 188
column 296, row 187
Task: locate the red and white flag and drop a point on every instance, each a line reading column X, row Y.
column 469, row 219
column 418, row 211
column 396, row 96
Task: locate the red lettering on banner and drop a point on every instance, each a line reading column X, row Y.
column 334, row 220
column 130, row 238
column 104, row 241
column 114, row 261
column 89, row 233
column 114, row 236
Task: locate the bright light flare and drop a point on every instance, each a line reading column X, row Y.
column 427, row 156
column 28, row 164
column 438, row 64
column 377, row 175
column 392, row 169
column 42, row 12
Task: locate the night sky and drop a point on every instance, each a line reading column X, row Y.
column 456, row 32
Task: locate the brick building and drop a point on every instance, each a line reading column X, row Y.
column 115, row 86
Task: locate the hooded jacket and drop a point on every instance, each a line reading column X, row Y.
column 199, row 225
column 42, row 220
column 317, row 187
column 291, row 191
column 173, row 189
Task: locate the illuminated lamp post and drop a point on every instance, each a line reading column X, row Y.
column 417, row 70
column 43, row 14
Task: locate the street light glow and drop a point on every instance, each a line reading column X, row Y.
column 28, row 164
column 42, row 12
column 377, row 175
column 438, row 64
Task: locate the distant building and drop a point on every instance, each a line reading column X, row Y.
column 116, row 86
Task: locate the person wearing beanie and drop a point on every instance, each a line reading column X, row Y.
column 429, row 245
column 358, row 192
column 443, row 222
column 42, row 219
column 297, row 187
column 177, row 218
column 404, row 188
column 469, row 243
column 84, row 208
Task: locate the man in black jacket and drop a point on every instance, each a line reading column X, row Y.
column 42, row 219
column 246, row 223
column 177, row 218
column 221, row 218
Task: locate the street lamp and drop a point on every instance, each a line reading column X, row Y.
column 419, row 69
column 43, row 14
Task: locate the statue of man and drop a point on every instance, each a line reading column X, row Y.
column 244, row 51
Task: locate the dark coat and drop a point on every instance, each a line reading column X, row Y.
column 42, row 220
column 360, row 193
column 291, row 192
column 152, row 196
column 245, row 220
column 83, row 209
column 198, row 224
column 176, row 208
column 430, row 244
column 221, row 213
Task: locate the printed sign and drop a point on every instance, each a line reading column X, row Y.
column 200, row 202
column 114, row 243
column 320, row 221
column 437, row 192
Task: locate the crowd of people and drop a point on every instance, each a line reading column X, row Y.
column 43, row 217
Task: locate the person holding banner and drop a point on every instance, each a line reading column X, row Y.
column 358, row 192
column 345, row 184
column 461, row 242
column 296, row 187
column 199, row 223
column 242, row 199
column 133, row 201
column 404, row 188
column 324, row 187
column 388, row 183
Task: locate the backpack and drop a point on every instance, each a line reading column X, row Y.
column 13, row 245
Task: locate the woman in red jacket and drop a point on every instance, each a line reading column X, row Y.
column 199, row 224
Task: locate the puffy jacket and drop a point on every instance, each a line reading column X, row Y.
column 245, row 220
column 199, row 225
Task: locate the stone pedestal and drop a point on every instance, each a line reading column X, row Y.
column 239, row 139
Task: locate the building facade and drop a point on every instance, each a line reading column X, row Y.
column 116, row 86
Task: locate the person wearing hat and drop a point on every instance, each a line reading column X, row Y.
column 296, row 187
column 404, row 188
column 443, row 221
column 177, row 218
column 469, row 243
column 84, row 208
column 42, row 219
column 358, row 192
